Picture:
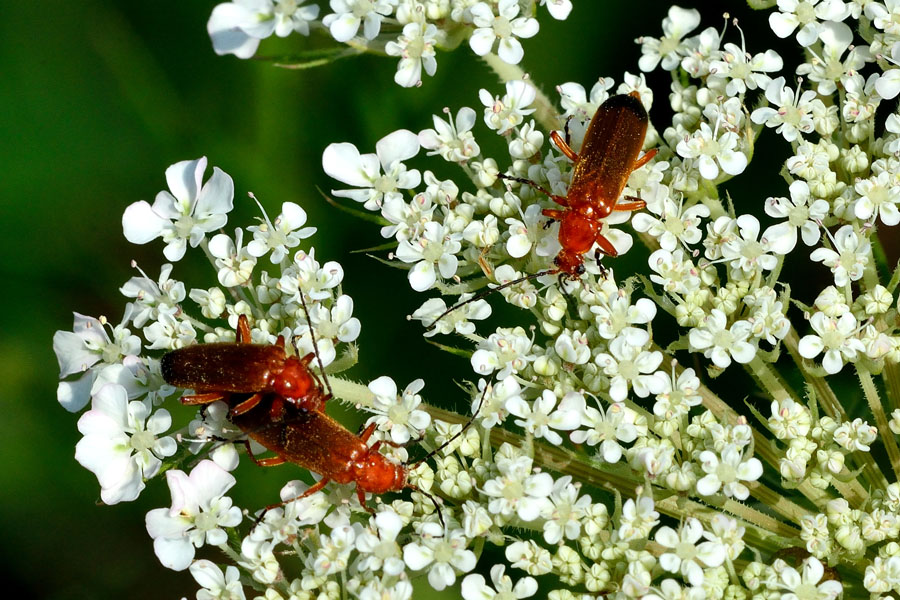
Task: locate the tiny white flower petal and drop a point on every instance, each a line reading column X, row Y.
column 227, row 37
column 343, row 162
column 510, row 51
column 422, row 276
column 810, row 346
column 141, row 224
column 482, row 40
column 732, row 162
column 175, row 554
column 397, row 146
column 833, row 362
column 344, row 27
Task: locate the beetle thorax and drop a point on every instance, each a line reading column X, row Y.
column 294, row 380
column 376, row 474
column 578, row 230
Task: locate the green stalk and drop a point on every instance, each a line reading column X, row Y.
column 881, row 420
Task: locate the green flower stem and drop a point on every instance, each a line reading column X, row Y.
column 853, row 491
column 545, row 111
column 891, row 377
column 881, row 420
column 352, row 392
column 770, row 381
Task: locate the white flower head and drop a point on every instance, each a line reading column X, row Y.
column 121, row 443
column 88, row 349
column 452, row 139
column 806, row 16
column 436, row 247
column 200, row 511
column 630, row 366
column 398, row 413
column 215, row 583
column 808, row 583
column 516, row 490
column 506, row 350
column 833, row 336
column 474, row 587
column 669, row 49
column 184, row 214
column 364, row 171
column 284, row 233
column 503, row 114
column 445, row 554
column 348, row 15
column 237, row 27
column 849, row 257
column 790, row 113
column 415, row 47
column 610, row 428
column 507, row 26
column 685, row 555
column 803, row 214
column 726, row 472
column 542, row 418
column 721, row 343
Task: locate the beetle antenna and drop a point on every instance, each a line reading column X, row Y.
column 468, row 424
column 490, row 291
column 437, row 507
column 312, row 334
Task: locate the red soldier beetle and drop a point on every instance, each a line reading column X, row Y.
column 219, row 370
column 610, row 152
column 296, row 429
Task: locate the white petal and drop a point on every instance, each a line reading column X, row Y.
column 141, row 225
column 733, row 162
column 397, row 146
column 833, row 362
column 175, row 554
column 510, row 50
column 344, row 27
column 708, row 167
column 216, row 196
column 226, row 35
column 781, row 238
column 482, row 40
column 888, row 85
column 344, row 163
column 422, row 276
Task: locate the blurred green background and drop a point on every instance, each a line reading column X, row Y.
column 98, row 98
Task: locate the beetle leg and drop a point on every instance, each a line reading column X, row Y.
column 561, row 200
column 208, row 398
column 556, row 215
column 563, row 144
column 606, row 246
column 246, row 405
column 634, row 204
column 309, row 492
column 273, row 461
column 243, row 330
column 367, row 432
column 362, row 500
column 643, row 160
column 601, row 266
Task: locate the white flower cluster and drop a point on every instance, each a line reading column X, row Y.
column 409, row 29
column 587, row 397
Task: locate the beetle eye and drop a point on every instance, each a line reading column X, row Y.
column 579, row 269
